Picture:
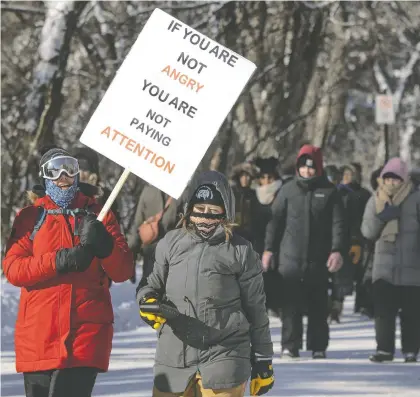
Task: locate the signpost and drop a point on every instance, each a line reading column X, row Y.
column 385, row 114
column 166, row 104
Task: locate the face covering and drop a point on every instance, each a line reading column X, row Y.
column 60, row 196
column 206, row 224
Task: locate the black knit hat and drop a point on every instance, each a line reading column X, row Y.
column 267, row 166
column 306, row 160
column 207, row 194
column 52, row 153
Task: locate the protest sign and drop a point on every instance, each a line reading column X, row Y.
column 384, row 110
column 167, row 102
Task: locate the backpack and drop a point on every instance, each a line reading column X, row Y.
column 42, row 214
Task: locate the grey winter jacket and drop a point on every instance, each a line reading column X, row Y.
column 217, row 285
column 396, row 262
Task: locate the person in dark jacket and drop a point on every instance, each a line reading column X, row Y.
column 356, row 198
column 307, row 229
column 392, row 220
column 341, row 281
column 214, row 278
column 269, row 184
column 151, row 201
column 61, row 257
column 245, row 199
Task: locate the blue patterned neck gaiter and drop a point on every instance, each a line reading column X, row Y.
column 61, row 197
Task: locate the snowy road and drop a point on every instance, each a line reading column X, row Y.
column 345, row 373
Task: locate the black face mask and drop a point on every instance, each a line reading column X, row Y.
column 206, row 224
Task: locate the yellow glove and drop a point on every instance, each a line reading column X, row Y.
column 355, row 254
column 152, row 319
column 262, row 378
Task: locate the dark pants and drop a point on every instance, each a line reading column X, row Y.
column 363, row 297
column 272, row 287
column 388, row 300
column 298, row 297
column 68, row 382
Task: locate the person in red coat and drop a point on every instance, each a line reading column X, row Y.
column 62, row 258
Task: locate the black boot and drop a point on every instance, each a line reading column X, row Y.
column 380, row 357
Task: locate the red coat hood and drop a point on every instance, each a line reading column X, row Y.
column 316, row 155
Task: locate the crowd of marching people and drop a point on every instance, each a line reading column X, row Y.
column 229, row 253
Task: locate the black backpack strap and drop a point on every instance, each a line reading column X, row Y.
column 60, row 211
column 42, row 213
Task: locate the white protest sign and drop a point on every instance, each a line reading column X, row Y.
column 167, row 102
column 384, row 110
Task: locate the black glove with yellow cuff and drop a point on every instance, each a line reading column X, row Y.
column 149, row 318
column 262, row 377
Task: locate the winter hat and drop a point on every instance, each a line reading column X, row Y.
column 207, row 194
column 267, row 166
column 306, row 160
column 397, row 167
column 52, row 153
column 88, row 159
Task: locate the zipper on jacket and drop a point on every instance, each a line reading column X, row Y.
column 196, row 288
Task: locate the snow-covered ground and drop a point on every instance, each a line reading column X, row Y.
column 346, row 373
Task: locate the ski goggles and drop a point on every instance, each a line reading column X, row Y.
column 53, row 168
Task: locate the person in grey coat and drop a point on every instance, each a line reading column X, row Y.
column 151, row 201
column 214, row 278
column 392, row 220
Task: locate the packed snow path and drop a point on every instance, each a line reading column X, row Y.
column 345, row 373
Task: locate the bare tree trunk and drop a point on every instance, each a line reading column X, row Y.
column 334, row 91
column 405, row 73
column 408, row 132
column 45, row 99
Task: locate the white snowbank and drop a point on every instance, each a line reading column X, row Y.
column 346, row 372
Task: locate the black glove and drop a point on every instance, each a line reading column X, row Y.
column 389, row 213
column 92, row 232
column 149, row 318
column 76, row 259
column 262, row 377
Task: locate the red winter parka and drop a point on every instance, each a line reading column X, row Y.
column 63, row 320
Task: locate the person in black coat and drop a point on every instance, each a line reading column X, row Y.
column 308, row 230
column 341, row 281
column 269, row 184
column 245, row 199
column 356, row 199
